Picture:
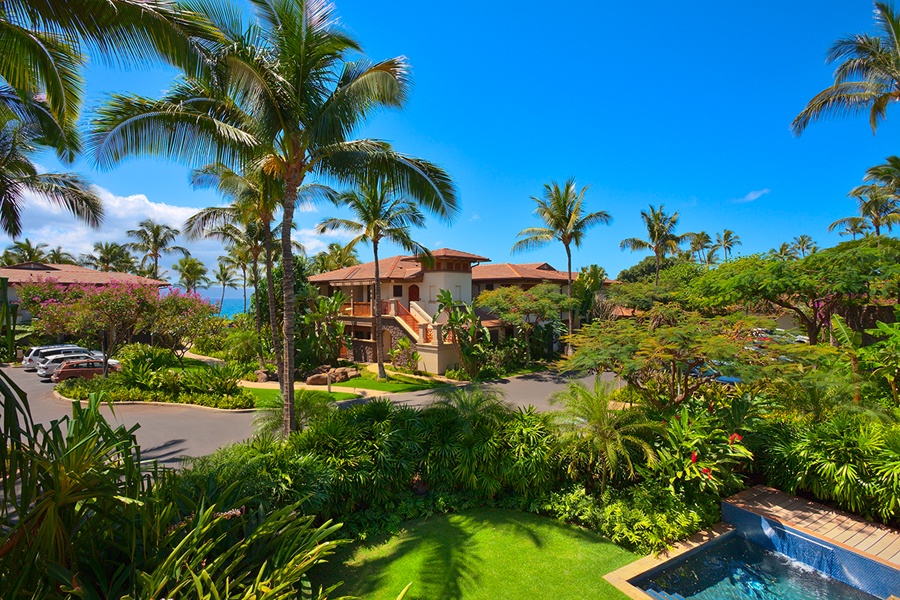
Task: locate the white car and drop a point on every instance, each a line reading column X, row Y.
column 51, row 363
column 36, row 354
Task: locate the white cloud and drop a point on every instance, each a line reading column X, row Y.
column 474, row 217
column 751, row 196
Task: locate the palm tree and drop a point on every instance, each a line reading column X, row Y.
column 803, row 245
column 854, row 226
column 382, row 213
column 58, row 256
column 285, row 96
column 561, row 210
column 224, row 274
column 109, row 256
column 25, row 251
column 784, row 253
column 191, row 273
column 20, row 177
column 598, row 441
column 336, row 257
column 700, row 242
column 868, row 77
column 878, row 207
column 726, row 241
column 238, row 258
column 153, row 240
column 661, row 237
column 711, row 257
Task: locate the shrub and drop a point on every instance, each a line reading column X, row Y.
column 215, row 379
column 456, row 373
column 154, row 358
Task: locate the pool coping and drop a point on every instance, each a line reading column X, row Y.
column 620, row 578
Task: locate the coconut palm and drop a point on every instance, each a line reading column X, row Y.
column 58, row 256
column 700, row 242
column 19, row 177
column 599, row 441
column 26, row 251
column 803, row 245
column 192, row 273
column 878, row 207
column 238, row 258
column 726, row 241
column 867, row 79
column 661, row 237
column 109, row 256
column 224, row 274
column 336, row 257
column 287, row 97
column 154, row 240
column 785, row 252
column 854, row 226
column 711, row 256
column 561, row 208
column 382, row 213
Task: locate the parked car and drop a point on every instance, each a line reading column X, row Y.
column 51, row 363
column 84, row 368
column 36, row 353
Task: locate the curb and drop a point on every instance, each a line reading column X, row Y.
column 59, row 396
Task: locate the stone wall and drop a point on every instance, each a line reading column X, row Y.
column 364, row 350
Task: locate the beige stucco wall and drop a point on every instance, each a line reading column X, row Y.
column 459, row 284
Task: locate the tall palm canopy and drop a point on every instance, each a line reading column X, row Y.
column 879, row 208
column 382, row 213
column 25, row 251
column 19, row 177
column 110, row 256
column 338, row 256
column 154, row 240
column 192, row 273
column 561, row 208
column 287, row 96
column 867, row 79
column 726, row 241
column 803, row 245
column 700, row 242
column 661, row 237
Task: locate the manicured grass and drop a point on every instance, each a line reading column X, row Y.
column 391, row 385
column 480, row 555
column 266, row 398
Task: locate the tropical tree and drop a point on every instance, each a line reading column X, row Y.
column 154, row 240
column 661, row 237
column 600, row 442
column 26, row 251
column 109, row 256
column 382, row 213
column 238, row 258
column 726, row 241
column 19, row 177
column 700, row 242
column 337, row 256
column 803, row 245
column 879, row 207
column 224, row 274
column 784, row 252
column 285, row 96
column 58, row 256
column 192, row 273
column 867, row 79
column 561, row 208
column 854, row 226
column 711, row 257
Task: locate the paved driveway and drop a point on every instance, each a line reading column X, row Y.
column 169, row 431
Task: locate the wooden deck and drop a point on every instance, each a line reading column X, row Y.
column 875, row 541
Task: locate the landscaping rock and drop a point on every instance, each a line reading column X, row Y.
column 337, row 375
column 263, row 375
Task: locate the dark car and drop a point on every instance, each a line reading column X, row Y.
column 86, row 369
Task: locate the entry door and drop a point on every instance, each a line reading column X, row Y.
column 413, row 293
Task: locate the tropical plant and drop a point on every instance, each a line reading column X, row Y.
column 879, row 208
column 338, row 256
column 601, row 443
column 700, row 243
column 855, row 226
column 285, row 96
column 58, row 256
column 803, row 245
column 784, row 253
column 726, row 242
column 382, row 212
column 25, row 251
column 868, row 77
column 224, row 274
column 561, row 210
column 191, row 273
column 109, row 256
column 661, row 237
column 154, row 240
column 463, row 328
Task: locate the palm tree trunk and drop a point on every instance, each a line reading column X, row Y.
column 376, row 310
column 222, row 301
column 292, row 181
column 571, row 311
column 657, row 269
column 244, row 283
column 273, row 311
column 259, row 347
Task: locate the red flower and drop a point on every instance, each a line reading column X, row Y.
column 707, row 472
column 734, row 437
column 694, row 457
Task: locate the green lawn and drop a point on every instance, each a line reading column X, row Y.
column 266, row 398
column 480, row 555
column 391, row 385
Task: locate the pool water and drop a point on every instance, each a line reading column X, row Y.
column 735, row 569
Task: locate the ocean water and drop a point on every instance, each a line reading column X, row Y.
column 231, row 306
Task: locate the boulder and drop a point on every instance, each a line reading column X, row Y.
column 263, row 375
column 317, row 379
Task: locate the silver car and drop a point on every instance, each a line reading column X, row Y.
column 35, row 354
column 51, row 363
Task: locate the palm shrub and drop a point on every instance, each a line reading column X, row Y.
column 144, row 354
column 217, row 379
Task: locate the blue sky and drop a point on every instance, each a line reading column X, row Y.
column 684, row 104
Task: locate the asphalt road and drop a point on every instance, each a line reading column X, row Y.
column 170, row 431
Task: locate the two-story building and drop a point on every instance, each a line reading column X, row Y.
column 409, row 290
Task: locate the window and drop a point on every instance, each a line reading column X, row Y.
column 489, row 287
column 398, row 291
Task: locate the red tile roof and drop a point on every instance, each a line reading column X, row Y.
column 70, row 274
column 456, row 254
column 527, row 272
column 395, row 268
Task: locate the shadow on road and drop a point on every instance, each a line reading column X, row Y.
column 167, row 454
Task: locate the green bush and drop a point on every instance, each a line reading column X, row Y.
column 143, row 354
column 220, row 379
